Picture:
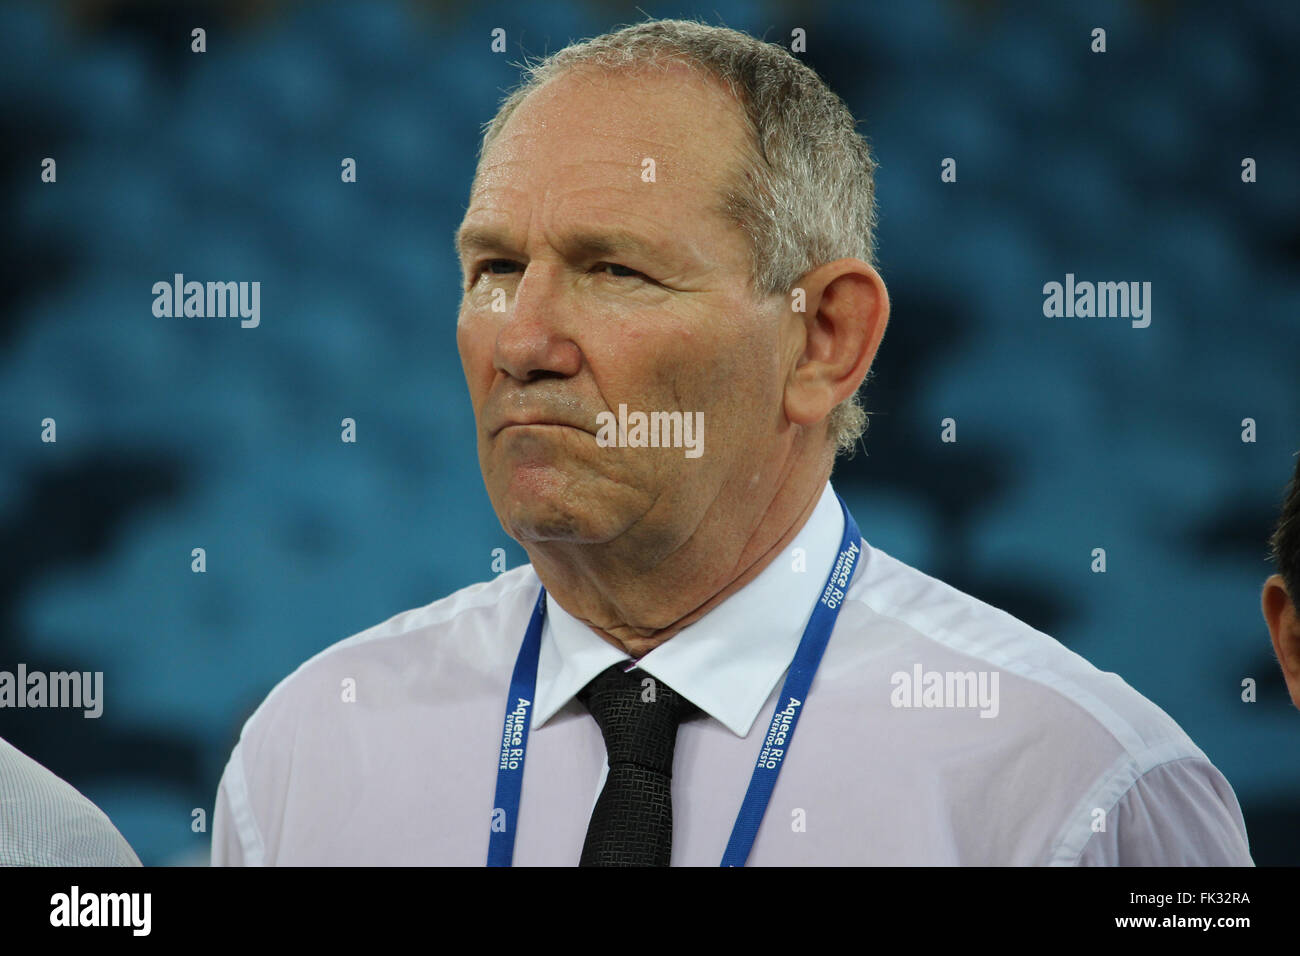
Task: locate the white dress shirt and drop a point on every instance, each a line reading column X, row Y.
column 45, row 821
column 1071, row 766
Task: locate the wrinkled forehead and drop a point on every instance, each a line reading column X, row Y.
column 655, row 131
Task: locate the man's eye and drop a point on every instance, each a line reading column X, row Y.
column 498, row 267
column 501, row 267
column 493, row 267
column 618, row 271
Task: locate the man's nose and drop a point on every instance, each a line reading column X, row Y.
column 534, row 339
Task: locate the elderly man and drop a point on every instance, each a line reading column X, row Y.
column 670, row 229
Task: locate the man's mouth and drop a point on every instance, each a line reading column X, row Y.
column 534, row 423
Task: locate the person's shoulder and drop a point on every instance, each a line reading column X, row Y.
column 463, row 628
column 45, row 821
column 1092, row 743
column 1043, row 670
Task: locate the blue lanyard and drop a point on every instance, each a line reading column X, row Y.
column 776, row 743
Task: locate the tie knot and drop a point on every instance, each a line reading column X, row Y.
column 638, row 716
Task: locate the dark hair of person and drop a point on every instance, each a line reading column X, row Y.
column 1285, row 541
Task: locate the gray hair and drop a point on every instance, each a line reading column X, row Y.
column 805, row 190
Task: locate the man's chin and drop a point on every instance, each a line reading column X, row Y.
column 540, row 502
column 538, row 522
column 544, row 503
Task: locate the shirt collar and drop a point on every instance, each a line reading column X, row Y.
column 727, row 662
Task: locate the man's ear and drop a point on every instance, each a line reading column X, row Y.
column 1284, row 629
column 838, row 317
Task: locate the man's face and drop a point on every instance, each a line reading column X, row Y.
column 1283, row 619
column 613, row 287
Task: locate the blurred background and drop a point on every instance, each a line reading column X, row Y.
column 225, row 165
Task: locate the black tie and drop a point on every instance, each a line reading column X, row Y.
column 632, row 824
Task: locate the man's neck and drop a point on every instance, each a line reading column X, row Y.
column 636, row 609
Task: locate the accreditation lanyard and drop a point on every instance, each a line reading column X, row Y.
column 776, row 743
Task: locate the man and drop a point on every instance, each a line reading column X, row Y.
column 1282, row 590
column 44, row 821
column 675, row 222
